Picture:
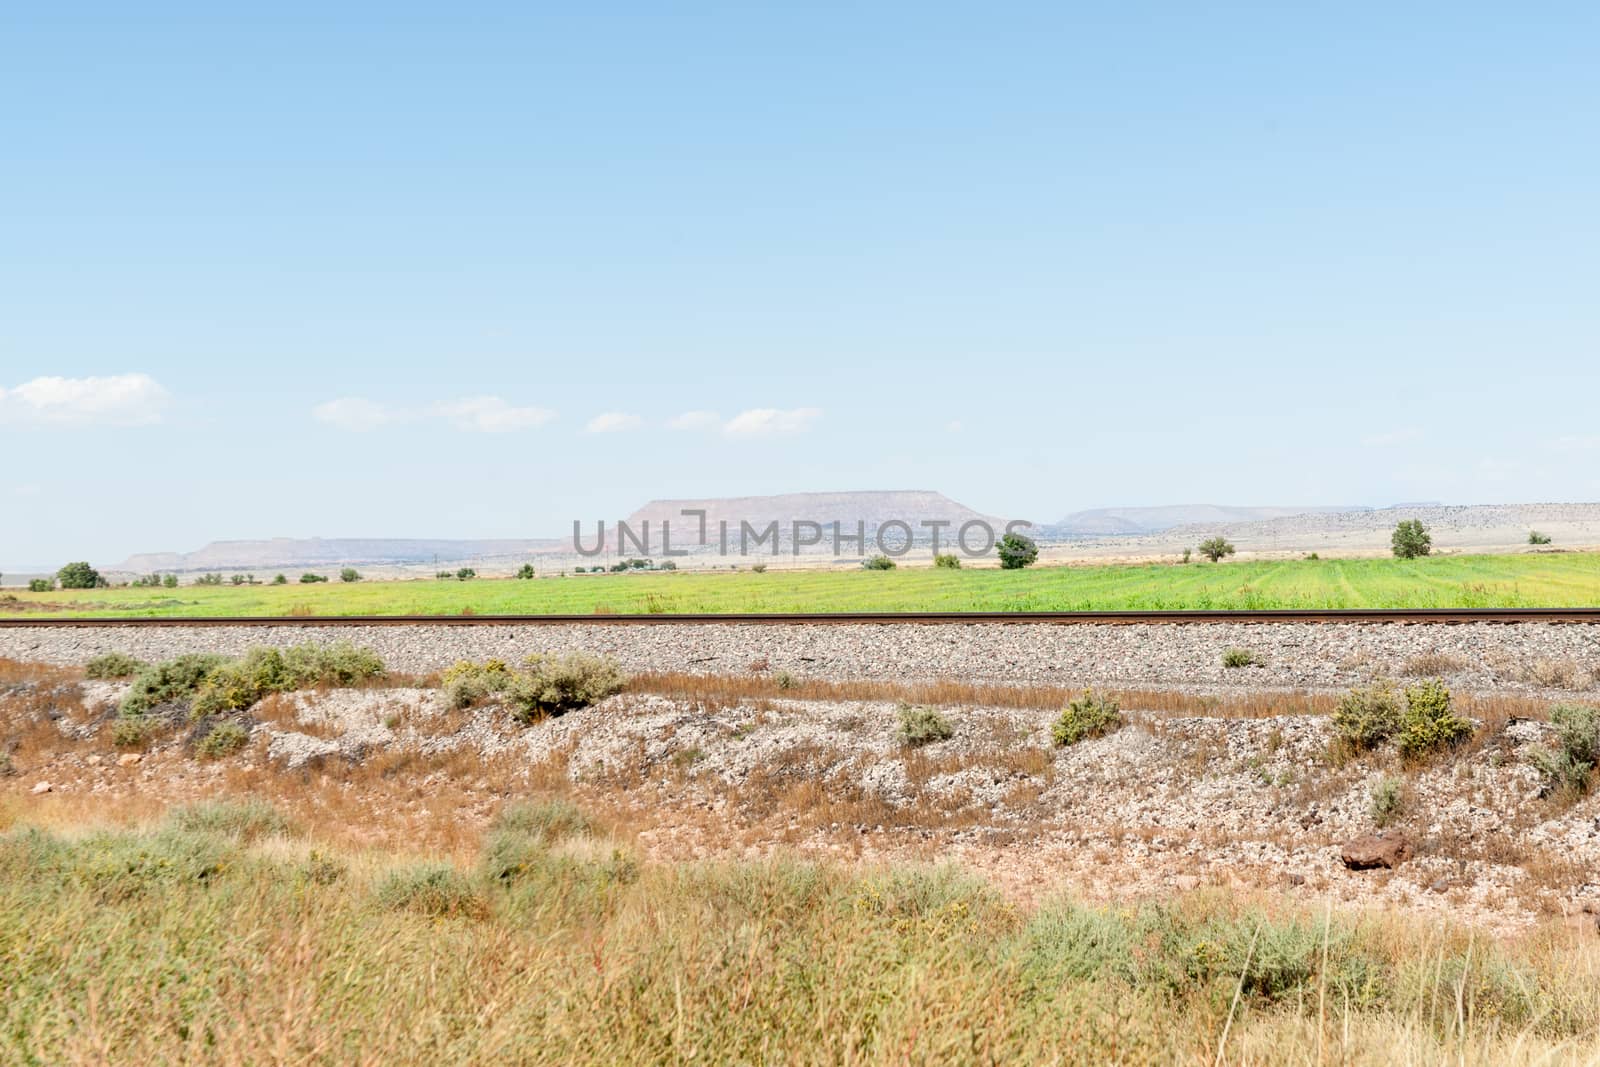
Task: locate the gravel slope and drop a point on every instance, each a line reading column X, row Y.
column 1474, row 656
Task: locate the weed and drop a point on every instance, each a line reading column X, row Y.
column 1086, row 717
column 1568, row 768
column 1387, row 802
column 1241, row 657
column 921, row 725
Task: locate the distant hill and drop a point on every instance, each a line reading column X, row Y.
column 1113, row 522
column 320, row 552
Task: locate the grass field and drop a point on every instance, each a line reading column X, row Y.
column 222, row 936
column 1534, row 580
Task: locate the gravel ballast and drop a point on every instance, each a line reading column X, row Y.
column 1526, row 656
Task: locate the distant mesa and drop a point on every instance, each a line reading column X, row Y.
column 1131, row 522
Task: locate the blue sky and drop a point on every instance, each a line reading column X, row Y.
column 371, row 270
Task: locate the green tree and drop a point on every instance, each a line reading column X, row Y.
column 1537, row 538
column 947, row 561
column 465, row 573
column 1017, row 551
column 1411, row 539
column 78, row 576
column 349, row 574
column 525, row 571
column 1214, row 548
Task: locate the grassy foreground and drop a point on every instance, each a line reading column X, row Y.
column 217, row 937
column 1534, row 580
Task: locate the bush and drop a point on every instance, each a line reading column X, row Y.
column 169, row 581
column 1016, row 551
column 279, row 579
column 41, row 585
column 243, row 821
column 521, row 835
column 877, row 563
column 240, row 683
column 465, row 574
column 78, row 576
column 1086, row 717
column 667, row 565
column 1187, row 553
column 1214, row 548
column 1388, row 801
column 920, row 726
column 239, row 579
column 131, row 731
column 1569, row 767
column 433, row 889
column 1411, row 539
column 1241, row 657
column 947, row 561
column 1367, row 717
column 169, row 681
column 349, row 574
column 1537, row 538
column 525, row 571
column 468, row 683
column 113, row 665
column 222, row 739
column 447, row 576
column 209, row 579
column 310, row 579
column 785, row 680
column 758, row 568
column 1429, row 724
column 554, row 685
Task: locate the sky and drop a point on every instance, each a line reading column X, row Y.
column 479, row 270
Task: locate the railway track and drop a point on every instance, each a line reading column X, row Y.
column 1395, row 616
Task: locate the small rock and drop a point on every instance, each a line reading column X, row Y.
column 129, row 759
column 41, row 788
column 93, row 759
column 1388, row 849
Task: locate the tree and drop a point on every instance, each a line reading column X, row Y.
column 169, row 581
column 1411, row 539
column 525, row 571
column 1017, row 551
column 280, row 580
column 1537, row 538
column 465, row 573
column 1214, row 548
column 349, row 574
column 878, row 563
column 947, row 561
column 41, row 585
column 78, row 576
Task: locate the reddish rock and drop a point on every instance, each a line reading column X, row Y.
column 1388, row 849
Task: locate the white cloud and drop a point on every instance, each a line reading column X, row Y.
column 768, row 422
column 695, row 420
column 1390, row 438
column 613, row 422
column 490, row 414
column 356, row 414
column 118, row 400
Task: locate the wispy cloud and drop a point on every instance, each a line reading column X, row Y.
column 117, row 400
column 695, row 420
column 356, row 414
column 1390, row 438
column 27, row 489
column 613, row 422
column 491, row 414
column 473, row 414
column 771, row 422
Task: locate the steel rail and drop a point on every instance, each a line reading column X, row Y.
column 1405, row 616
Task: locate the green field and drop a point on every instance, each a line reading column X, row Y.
column 1542, row 580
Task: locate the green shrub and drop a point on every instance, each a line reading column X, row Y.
column 878, row 563
column 1214, row 548
column 465, row 573
column 221, row 739
column 41, row 585
column 1569, row 767
column 947, row 561
column 242, row 682
column 522, row 834
column 1017, row 551
column 758, row 568
column 526, row 571
column 1240, row 657
column 1187, row 553
column 437, row 890
column 1428, row 724
column 785, row 680
column 921, row 725
column 278, row 579
column 468, row 683
column 1388, row 801
column 169, row 681
column 1086, row 717
column 131, row 731
column 554, row 685
column 1367, row 717
column 79, row 576
column 310, row 579
column 667, row 565
column 349, row 574
column 1312, row 556
column 1537, row 538
column 240, row 579
column 1411, row 539
column 109, row 665
column 209, row 579
column 169, row 581
column 243, row 821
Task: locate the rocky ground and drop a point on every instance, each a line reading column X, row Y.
column 1522, row 657
column 1165, row 803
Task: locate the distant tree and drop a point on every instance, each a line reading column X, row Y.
column 279, row 580
column 759, row 568
column 525, row 571
column 619, row 566
column 1537, row 538
column 78, row 576
column 308, row 578
column 1411, row 539
column 445, row 575
column 169, row 581
column 239, row 579
column 878, row 563
column 41, row 585
column 465, row 573
column 1017, row 551
column 1214, row 548
column 209, row 579
column 1186, row 555
column 947, row 561
column 667, row 565
column 349, row 574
